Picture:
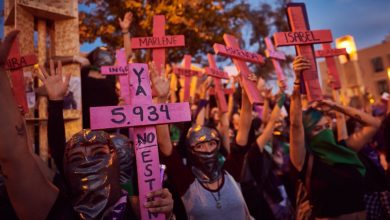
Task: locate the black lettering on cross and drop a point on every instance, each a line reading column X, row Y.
column 140, row 89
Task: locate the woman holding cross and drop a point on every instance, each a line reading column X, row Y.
column 332, row 171
column 207, row 190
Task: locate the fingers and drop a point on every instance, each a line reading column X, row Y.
column 300, row 63
column 162, row 203
column 59, row 69
column 52, row 68
column 43, row 71
column 67, row 78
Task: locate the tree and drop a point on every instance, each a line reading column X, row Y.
column 203, row 22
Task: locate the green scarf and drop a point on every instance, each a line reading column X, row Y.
column 324, row 146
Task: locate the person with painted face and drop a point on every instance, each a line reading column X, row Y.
column 333, row 170
column 206, row 185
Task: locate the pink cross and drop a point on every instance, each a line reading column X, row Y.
column 158, row 42
column 217, row 76
column 140, row 113
column 303, row 39
column 328, row 52
column 15, row 63
column 276, row 57
column 188, row 73
column 239, row 58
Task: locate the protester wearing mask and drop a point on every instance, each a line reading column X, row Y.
column 207, row 187
column 333, row 169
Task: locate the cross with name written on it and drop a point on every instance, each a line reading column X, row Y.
column 139, row 114
column 239, row 57
column 303, row 39
column 188, row 73
column 276, row 57
column 15, row 63
column 328, row 52
column 158, row 42
column 217, row 76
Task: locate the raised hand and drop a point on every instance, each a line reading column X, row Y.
column 55, row 85
column 160, row 83
column 125, row 23
column 162, row 203
column 300, row 64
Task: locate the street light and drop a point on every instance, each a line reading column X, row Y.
column 348, row 43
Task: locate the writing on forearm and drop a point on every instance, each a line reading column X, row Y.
column 340, row 109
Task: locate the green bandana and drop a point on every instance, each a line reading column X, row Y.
column 325, row 147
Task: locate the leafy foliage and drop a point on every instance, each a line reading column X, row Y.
column 203, row 22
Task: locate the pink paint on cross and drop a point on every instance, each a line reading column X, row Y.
column 217, row 75
column 328, row 52
column 303, row 39
column 158, row 42
column 276, row 57
column 15, row 63
column 121, row 69
column 188, row 73
column 139, row 113
column 239, row 62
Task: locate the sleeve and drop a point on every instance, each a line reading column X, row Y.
column 56, row 132
column 235, row 160
column 179, row 175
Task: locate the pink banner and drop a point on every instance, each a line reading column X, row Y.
column 303, row 37
column 20, row 62
column 237, row 53
column 115, row 70
column 331, row 52
column 186, row 72
column 15, row 63
column 275, row 57
column 249, row 86
column 157, row 42
column 138, row 115
column 148, row 169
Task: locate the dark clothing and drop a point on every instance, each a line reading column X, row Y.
column 335, row 189
column 96, row 92
column 261, row 186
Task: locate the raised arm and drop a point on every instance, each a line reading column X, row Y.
column 31, row 194
column 370, row 124
column 262, row 140
column 160, row 84
column 125, row 25
column 56, row 88
column 342, row 133
column 297, row 134
column 203, row 99
column 245, row 118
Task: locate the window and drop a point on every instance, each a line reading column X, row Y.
column 383, row 86
column 377, row 64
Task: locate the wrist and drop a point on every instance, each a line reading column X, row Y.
column 125, row 31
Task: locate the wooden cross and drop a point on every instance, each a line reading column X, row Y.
column 217, row 76
column 303, row 39
column 276, row 57
column 188, row 73
column 239, row 57
column 328, row 52
column 140, row 113
column 158, row 42
column 15, row 63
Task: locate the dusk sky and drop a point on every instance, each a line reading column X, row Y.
column 367, row 20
